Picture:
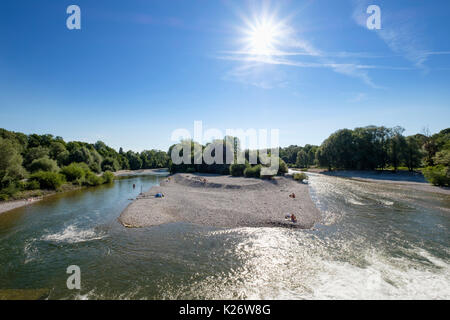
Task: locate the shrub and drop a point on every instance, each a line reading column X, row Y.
column 74, row 171
column 110, row 164
column 48, row 180
column 437, row 175
column 108, row 177
column 300, row 176
column 253, row 172
column 44, row 164
column 283, row 168
column 237, row 170
column 32, row 185
column 10, row 191
column 92, row 179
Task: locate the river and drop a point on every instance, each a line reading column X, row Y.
column 376, row 241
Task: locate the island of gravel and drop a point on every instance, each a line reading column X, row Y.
column 223, row 201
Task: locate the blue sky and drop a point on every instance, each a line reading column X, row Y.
column 137, row 70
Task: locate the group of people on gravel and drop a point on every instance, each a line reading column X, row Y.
column 291, row 217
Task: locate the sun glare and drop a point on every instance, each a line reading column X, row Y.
column 262, row 36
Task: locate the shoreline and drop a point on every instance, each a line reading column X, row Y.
column 14, row 204
column 412, row 180
column 223, row 201
column 6, row 206
column 132, row 173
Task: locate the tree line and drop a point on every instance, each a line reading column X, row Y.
column 30, row 162
column 378, row 148
column 227, row 150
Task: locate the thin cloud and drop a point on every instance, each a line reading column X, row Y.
column 400, row 33
column 286, row 49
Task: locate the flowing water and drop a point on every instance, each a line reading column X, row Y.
column 376, row 241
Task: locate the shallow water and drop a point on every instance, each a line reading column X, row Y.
column 376, row 241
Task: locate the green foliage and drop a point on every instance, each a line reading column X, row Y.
column 75, row 171
column 369, row 148
column 300, row 176
column 108, row 177
column 443, row 158
column 282, row 168
column 134, row 160
column 237, row 170
column 110, row 164
column 86, row 154
column 218, row 150
column 302, row 159
column 11, row 169
column 32, row 185
column 48, row 180
column 253, row 172
column 57, row 148
column 412, row 153
column 35, row 153
column 91, row 179
column 44, row 164
column 154, row 159
column 438, row 175
column 63, row 158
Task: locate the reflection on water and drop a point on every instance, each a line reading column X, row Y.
column 376, row 241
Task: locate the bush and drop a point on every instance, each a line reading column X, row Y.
column 237, row 170
column 110, row 164
column 10, row 191
column 44, row 164
column 300, row 176
column 283, row 168
column 437, row 175
column 253, row 172
column 75, row 171
column 48, row 180
column 108, row 177
column 92, row 179
column 32, row 185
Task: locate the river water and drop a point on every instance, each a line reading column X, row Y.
column 376, row 241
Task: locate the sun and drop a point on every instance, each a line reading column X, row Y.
column 262, row 36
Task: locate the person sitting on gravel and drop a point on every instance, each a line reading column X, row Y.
column 293, row 218
column 292, row 195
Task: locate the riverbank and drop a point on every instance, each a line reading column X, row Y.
column 223, row 201
column 130, row 173
column 412, row 180
column 33, row 196
column 11, row 205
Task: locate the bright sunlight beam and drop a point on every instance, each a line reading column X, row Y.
column 263, row 35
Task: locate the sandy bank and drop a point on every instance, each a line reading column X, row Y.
column 11, row 205
column 222, row 201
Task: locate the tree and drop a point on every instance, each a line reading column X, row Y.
column 110, row 164
column 134, row 160
column 413, row 155
column 44, row 164
column 11, row 169
column 397, row 147
column 56, row 148
column 302, row 159
column 35, row 153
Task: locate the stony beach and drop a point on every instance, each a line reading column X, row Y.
column 11, row 205
column 223, row 201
